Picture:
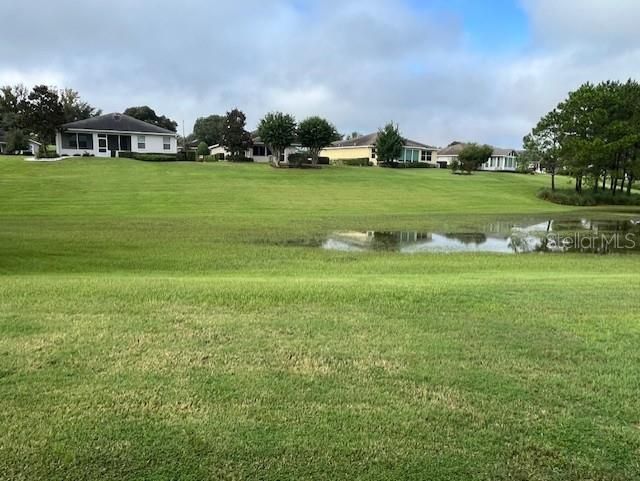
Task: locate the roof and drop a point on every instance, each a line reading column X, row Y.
column 256, row 140
column 116, row 122
column 371, row 139
column 456, row 148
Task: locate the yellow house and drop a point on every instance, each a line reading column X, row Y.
column 364, row 147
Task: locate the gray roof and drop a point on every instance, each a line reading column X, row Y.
column 116, row 122
column 456, row 148
column 371, row 139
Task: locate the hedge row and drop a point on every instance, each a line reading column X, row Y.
column 585, row 199
column 361, row 162
column 408, row 165
column 180, row 156
column 304, row 158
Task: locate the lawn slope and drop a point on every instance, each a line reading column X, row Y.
column 158, row 322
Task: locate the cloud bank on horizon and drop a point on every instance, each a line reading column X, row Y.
column 444, row 70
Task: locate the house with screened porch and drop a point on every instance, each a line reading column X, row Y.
column 109, row 135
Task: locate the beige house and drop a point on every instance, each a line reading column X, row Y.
column 364, row 147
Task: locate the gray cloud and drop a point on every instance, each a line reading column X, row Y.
column 359, row 63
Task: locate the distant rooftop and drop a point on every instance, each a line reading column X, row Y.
column 371, row 139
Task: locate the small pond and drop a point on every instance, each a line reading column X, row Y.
column 589, row 236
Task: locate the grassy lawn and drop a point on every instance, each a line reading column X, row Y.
column 166, row 321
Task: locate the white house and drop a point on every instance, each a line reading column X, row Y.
column 108, row 135
column 34, row 146
column 260, row 152
column 502, row 160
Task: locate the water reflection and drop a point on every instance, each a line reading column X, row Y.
column 550, row 236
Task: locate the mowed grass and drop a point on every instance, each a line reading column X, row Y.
column 166, row 321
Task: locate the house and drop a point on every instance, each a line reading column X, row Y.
column 364, row 147
column 34, row 146
column 502, row 160
column 108, row 135
column 259, row 152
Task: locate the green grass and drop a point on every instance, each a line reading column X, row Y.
column 155, row 324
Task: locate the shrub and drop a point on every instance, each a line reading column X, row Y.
column 203, row 149
column 188, row 156
column 150, row 157
column 585, row 199
column 210, row 158
column 408, row 165
column 361, row 162
column 219, row 157
column 49, row 154
column 299, row 159
column 239, row 158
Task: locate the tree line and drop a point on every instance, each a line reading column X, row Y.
column 277, row 130
column 592, row 136
column 280, row 131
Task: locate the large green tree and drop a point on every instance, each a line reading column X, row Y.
column 75, row 108
column 16, row 140
column 13, row 102
column 44, row 114
column 389, row 144
column 543, row 145
column 278, row 131
column 594, row 136
column 316, row 133
column 210, row 129
column 147, row 114
column 235, row 138
column 203, row 149
column 472, row 156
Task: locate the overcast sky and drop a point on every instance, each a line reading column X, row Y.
column 443, row 69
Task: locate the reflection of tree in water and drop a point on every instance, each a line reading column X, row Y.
column 386, row 241
column 469, row 238
column 522, row 242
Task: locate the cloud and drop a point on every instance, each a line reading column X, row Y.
column 585, row 23
column 360, row 63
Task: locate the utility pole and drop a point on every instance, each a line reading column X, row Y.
column 184, row 142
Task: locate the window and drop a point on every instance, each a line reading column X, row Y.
column 125, row 143
column 374, row 152
column 85, row 141
column 102, row 143
column 259, row 151
column 70, row 141
column 425, row 155
column 410, row 155
column 166, row 143
column 142, row 142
